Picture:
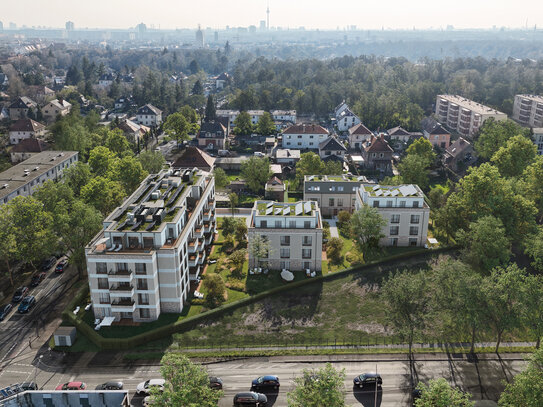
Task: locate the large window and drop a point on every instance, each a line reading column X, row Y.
column 340, row 202
column 415, row 218
column 395, row 218
column 394, row 230
column 142, row 284
column 306, row 253
column 415, row 204
column 376, row 204
column 413, row 230
column 402, row 204
column 277, row 223
column 143, row 299
column 141, row 268
column 285, row 253
column 103, row 284
column 101, row 268
column 331, row 202
column 307, row 240
column 145, row 313
column 285, row 240
column 104, row 298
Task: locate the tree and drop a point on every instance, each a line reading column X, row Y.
column 513, row 158
column 117, row 143
column 265, row 125
column 406, row 303
column 215, row 288
column 241, row 230
column 438, row 393
column 221, row 179
column 103, row 193
column 129, row 172
column 101, row 160
column 259, row 248
column 233, row 199
column 243, row 125
column 187, row 384
column 229, row 225
column 77, row 176
column 194, row 67
column 8, row 241
column 318, row 388
column 414, row 170
column 198, row 89
column 344, row 217
column 526, row 389
column 333, row 248
column 176, row 126
column 501, row 292
column 531, row 303
column 533, row 247
column 367, row 226
column 423, row 149
column 256, row 171
column 210, row 113
column 532, row 187
column 151, row 161
column 309, row 164
column 494, row 134
column 485, row 244
column 237, row 259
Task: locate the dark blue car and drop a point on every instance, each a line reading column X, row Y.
column 4, row 311
column 265, row 383
column 27, row 303
column 19, row 294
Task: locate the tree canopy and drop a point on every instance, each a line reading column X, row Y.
column 321, row 387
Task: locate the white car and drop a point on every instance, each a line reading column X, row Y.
column 147, row 401
column 144, row 388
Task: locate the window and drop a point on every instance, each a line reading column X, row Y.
column 394, row 230
column 143, row 299
column 415, row 204
column 299, row 143
column 415, row 218
column 121, row 266
column 285, row 240
column 413, row 230
column 299, row 136
column 307, row 240
column 331, row 202
column 307, row 265
column 278, row 224
column 412, row 242
column 402, row 204
column 145, row 313
column 101, row 268
column 142, row 284
column 285, row 253
column 394, row 241
column 376, row 204
column 292, row 224
column 147, row 242
column 340, row 189
column 395, row 218
column 389, row 204
column 104, row 298
column 306, row 253
column 141, row 268
column 307, row 224
column 285, row 265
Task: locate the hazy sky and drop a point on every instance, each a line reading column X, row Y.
column 326, row 14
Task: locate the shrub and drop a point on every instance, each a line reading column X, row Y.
column 343, row 217
column 216, row 289
column 237, row 285
column 333, row 248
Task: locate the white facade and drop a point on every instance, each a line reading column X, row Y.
column 149, row 116
column 404, row 209
column 538, row 140
column 151, row 248
column 255, row 115
column 304, row 137
column 231, row 114
column 346, row 119
column 528, row 110
column 284, row 115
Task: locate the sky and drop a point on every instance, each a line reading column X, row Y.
column 311, row 14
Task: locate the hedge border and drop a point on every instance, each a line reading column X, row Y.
column 170, row 329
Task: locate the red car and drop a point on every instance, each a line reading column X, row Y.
column 72, row 386
column 61, row 266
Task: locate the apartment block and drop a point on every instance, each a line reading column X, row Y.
column 528, row 110
column 151, row 247
column 464, row 116
column 538, row 140
column 293, row 232
column 333, row 193
column 404, row 209
column 304, row 136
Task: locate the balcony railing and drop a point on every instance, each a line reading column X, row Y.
column 123, row 302
column 121, row 272
column 121, row 287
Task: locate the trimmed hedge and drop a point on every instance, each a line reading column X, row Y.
column 188, row 323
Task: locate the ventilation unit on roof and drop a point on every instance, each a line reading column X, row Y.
column 5, row 186
column 36, row 168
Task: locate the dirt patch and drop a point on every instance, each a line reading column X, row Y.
column 372, row 328
column 354, row 288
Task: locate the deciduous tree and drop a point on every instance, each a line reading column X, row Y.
column 221, row 179
column 256, row 171
column 151, row 161
column 439, row 393
column 265, row 125
column 243, row 125
column 215, row 288
column 494, row 134
column 176, row 126
column 526, row 389
column 318, row 388
column 367, row 226
column 513, row 158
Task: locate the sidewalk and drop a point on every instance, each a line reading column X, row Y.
column 333, row 227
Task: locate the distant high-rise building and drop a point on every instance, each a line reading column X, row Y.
column 70, row 26
column 199, row 37
column 142, row 28
column 528, row 110
column 262, row 25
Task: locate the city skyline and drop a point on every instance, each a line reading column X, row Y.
column 393, row 14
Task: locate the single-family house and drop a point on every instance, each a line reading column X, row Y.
column 285, row 156
column 459, row 155
column 377, row 155
column 275, row 190
column 149, row 115
column 212, row 136
column 304, row 136
column 399, row 133
column 55, row 108
column 106, row 80
column 347, row 119
column 20, row 107
column 332, row 148
column 194, row 157
column 222, row 80
column 26, row 149
column 132, row 130
column 358, row 135
column 24, row 129
column 435, row 133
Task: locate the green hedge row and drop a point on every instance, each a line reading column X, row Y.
column 188, row 323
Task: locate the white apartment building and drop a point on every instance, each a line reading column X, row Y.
column 284, row 115
column 538, row 140
column 333, row 193
column 255, row 115
column 463, row 115
column 528, row 110
column 304, row 136
column 151, row 247
column 23, row 179
column 346, row 119
column 231, row 114
column 403, row 207
column 149, row 116
column 293, row 232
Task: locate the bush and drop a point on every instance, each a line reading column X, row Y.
column 343, row 218
column 354, row 258
column 325, row 225
column 197, row 301
column 216, row 289
column 236, row 285
column 333, row 248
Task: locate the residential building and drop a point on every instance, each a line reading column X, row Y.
column 212, row 136
column 284, row 115
column 151, row 247
column 64, row 398
column 332, row 148
column 106, row 80
column 358, row 135
column 346, row 119
column 222, row 80
column 304, row 136
column 285, row 156
column 377, row 154
column 122, row 103
column 340, row 108
column 459, row 155
column 230, row 114
column 255, row 115
column 464, row 116
column 230, row 163
column 19, row 108
column 293, row 232
column 149, row 115
column 399, row 133
column 25, row 128
column 333, row 193
column 4, row 80
column 55, row 108
column 528, row 110
column 404, row 209
column 435, row 133
column 41, row 94
column 193, row 157
column 22, row 179
column 132, row 130
column 275, row 190
column 26, row 149
column 538, row 140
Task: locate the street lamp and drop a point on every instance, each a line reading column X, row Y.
column 36, row 368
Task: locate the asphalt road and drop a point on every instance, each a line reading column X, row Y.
column 483, row 379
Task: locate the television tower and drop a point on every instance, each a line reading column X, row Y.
column 268, row 16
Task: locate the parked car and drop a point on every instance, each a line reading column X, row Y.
column 4, row 311
column 48, row 263
column 368, row 379
column 19, row 294
column 147, row 401
column 265, row 382
column 38, row 278
column 259, row 154
column 26, row 304
column 72, row 386
column 145, row 387
column 28, row 386
column 250, row 399
column 111, row 385
column 215, row 383
column 61, row 266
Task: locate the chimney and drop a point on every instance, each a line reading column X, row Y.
column 60, row 100
column 382, row 137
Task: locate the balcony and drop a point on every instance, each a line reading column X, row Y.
column 208, row 215
column 201, row 258
column 209, row 239
column 120, row 272
column 194, row 272
column 123, row 305
column 121, row 290
column 193, row 245
column 199, row 232
column 208, row 227
column 193, row 260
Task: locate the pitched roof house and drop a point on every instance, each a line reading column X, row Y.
column 377, row 154
column 132, row 130
column 23, row 129
column 275, row 190
column 358, row 134
column 55, row 108
column 304, row 136
column 212, row 136
column 436, row 133
column 19, row 108
column 331, row 147
column 194, row 157
column 26, row 149
column 459, row 155
column 149, row 115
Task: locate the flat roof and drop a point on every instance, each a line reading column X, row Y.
column 384, row 191
column 271, row 208
column 469, row 104
column 537, row 98
column 34, row 167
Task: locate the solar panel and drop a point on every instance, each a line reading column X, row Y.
column 386, row 193
column 361, row 178
column 310, row 178
column 269, row 211
column 376, row 187
column 408, row 190
column 378, row 192
column 269, row 205
column 286, row 211
column 395, row 192
column 278, row 211
column 307, row 207
column 298, row 209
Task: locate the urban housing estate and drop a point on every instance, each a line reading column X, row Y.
column 151, row 247
column 528, row 110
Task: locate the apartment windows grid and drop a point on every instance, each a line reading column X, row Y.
column 285, row 253
column 394, row 230
column 395, row 218
column 101, row 268
column 415, row 218
column 306, row 253
column 143, row 299
column 145, row 313
column 307, row 241
column 141, row 268
column 142, row 284
column 285, row 240
column 413, row 230
column 103, row 284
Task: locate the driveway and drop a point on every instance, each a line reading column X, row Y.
column 333, row 227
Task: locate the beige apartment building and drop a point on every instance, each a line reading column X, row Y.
column 333, row 193
column 404, row 209
column 464, row 116
column 151, row 247
column 528, row 110
column 293, row 232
